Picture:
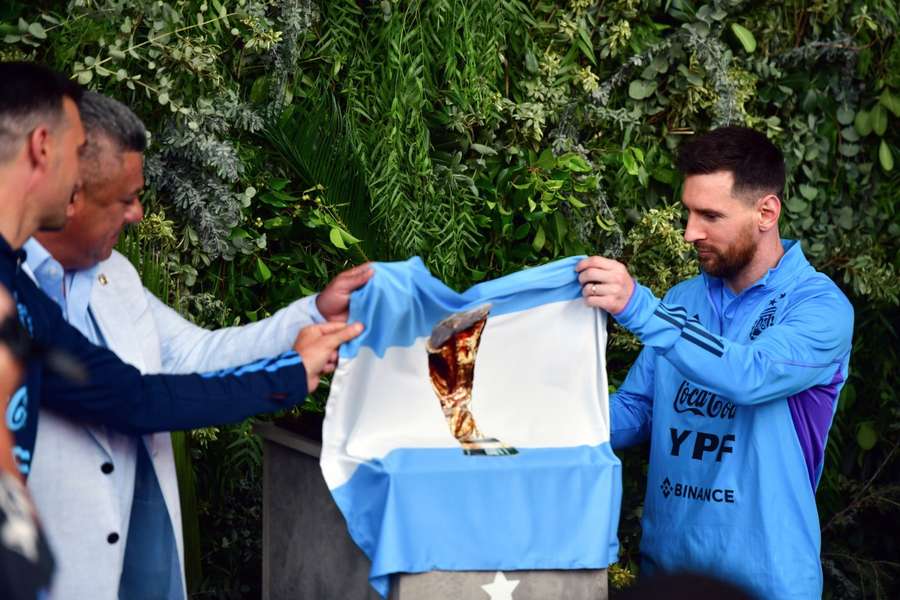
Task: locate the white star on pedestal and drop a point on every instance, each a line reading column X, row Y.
column 501, row 588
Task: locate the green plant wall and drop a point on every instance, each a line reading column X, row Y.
column 292, row 138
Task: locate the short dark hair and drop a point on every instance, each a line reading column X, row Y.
column 29, row 93
column 756, row 163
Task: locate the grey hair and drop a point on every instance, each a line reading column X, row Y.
column 109, row 126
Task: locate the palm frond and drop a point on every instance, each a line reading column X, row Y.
column 316, row 144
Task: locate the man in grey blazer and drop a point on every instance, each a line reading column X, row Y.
column 109, row 502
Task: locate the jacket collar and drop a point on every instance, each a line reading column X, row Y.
column 9, row 263
column 789, row 267
column 35, row 255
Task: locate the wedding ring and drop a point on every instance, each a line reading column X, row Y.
column 593, row 289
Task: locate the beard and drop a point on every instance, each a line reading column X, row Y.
column 727, row 263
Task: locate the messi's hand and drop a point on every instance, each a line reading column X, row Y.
column 605, row 283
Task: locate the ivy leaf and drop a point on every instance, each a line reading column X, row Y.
column 336, row 238
column 745, row 37
column 796, row 205
column 866, row 436
column 546, row 160
column 276, row 222
column 259, row 89
column 349, row 238
column 574, row 162
column 539, row 238
column 482, row 150
column 239, row 233
column 629, row 162
column 276, row 198
column 808, row 191
column 37, row 30
column 531, row 62
column 848, row 397
column 263, row 273
column 879, row 120
column 845, row 115
column 640, row 89
column 280, row 184
column 863, row 122
column 850, row 134
column 849, row 150
column 890, row 102
column 554, row 185
column 560, row 226
column 220, row 10
column 885, row 157
column 845, row 217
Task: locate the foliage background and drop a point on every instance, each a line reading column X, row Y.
column 292, row 138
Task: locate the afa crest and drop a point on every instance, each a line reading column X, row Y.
column 766, row 319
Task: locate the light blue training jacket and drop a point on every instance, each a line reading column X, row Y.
column 736, row 395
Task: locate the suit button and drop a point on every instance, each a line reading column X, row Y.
column 107, row 468
column 112, row 538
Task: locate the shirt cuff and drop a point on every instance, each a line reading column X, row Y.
column 639, row 309
column 313, row 309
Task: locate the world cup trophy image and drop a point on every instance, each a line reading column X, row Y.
column 452, row 348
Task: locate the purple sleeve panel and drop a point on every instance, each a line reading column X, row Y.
column 812, row 411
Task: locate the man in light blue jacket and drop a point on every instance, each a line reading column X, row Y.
column 109, row 501
column 738, row 380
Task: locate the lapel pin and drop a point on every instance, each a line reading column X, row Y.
column 102, row 279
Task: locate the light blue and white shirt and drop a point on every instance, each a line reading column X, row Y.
column 414, row 500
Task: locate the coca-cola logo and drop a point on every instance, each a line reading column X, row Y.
column 703, row 403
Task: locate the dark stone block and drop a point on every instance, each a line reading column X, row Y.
column 308, row 554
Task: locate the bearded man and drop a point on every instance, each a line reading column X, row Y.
column 738, row 380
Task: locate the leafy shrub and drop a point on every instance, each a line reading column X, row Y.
column 292, row 138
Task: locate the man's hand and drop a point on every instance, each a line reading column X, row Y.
column 605, row 283
column 317, row 345
column 334, row 301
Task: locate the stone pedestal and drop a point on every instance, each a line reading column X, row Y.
column 523, row 585
column 308, row 554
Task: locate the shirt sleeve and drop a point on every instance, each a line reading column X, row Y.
column 187, row 348
column 631, row 406
column 793, row 355
column 117, row 395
